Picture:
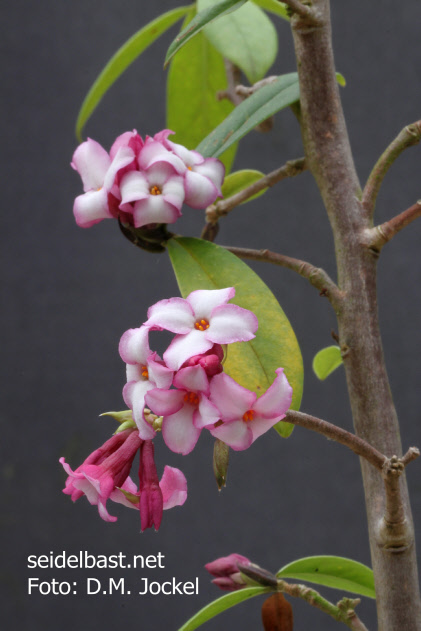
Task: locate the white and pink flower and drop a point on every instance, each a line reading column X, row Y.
column 186, row 410
column 244, row 417
column 144, row 371
column 201, row 320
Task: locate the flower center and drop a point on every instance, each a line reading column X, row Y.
column 144, row 372
column 155, row 190
column 190, row 168
column 201, row 325
column 248, row 416
column 192, row 398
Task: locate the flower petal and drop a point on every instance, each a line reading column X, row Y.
column 91, row 161
column 91, row 208
column 178, row 431
column 159, row 374
column 123, row 158
column 213, row 169
column 133, row 186
column 173, row 485
column 134, row 396
column 204, row 301
column 184, row 346
column 260, row 425
column 236, row 434
column 164, row 402
column 200, row 191
column 231, row 399
column 192, row 379
column 206, row 414
column 230, row 323
column 173, row 314
column 154, row 152
column 134, row 346
column 277, row 398
column 154, row 209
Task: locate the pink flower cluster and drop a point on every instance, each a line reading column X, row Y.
column 105, row 475
column 188, row 388
column 190, row 391
column 143, row 181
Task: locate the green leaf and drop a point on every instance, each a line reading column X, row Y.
column 340, row 79
column 195, row 76
column 199, row 22
column 239, row 180
column 332, row 571
column 284, row 91
column 247, row 38
column 326, row 361
column 201, row 264
column 274, row 7
column 123, row 58
column 222, row 604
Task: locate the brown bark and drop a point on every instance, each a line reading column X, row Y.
column 329, row 158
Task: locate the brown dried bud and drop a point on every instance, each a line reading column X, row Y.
column 277, row 614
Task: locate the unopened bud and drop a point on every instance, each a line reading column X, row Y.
column 220, row 462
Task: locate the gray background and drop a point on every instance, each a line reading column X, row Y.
column 71, row 293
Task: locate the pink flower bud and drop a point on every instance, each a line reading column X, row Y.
column 227, row 575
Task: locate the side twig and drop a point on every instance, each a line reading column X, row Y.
column 378, row 236
column 343, row 611
column 339, row 435
column 408, row 137
column 317, row 276
column 308, row 13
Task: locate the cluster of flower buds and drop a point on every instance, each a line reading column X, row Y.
column 187, row 391
column 143, row 182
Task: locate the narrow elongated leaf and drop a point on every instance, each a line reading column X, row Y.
column 284, row 91
column 123, row 58
column 245, row 37
column 199, row 22
column 222, row 604
column 331, row 571
column 239, row 180
column 201, row 264
column 326, row 361
column 195, row 76
column 274, row 7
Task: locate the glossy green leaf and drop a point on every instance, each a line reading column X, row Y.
column 284, row 91
column 195, row 76
column 222, row 604
column 239, row 180
column 246, row 37
column 201, row 264
column 278, row 8
column 199, row 22
column 326, row 361
column 123, row 58
column 331, row 571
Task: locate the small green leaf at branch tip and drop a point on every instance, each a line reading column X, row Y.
column 340, row 79
column 326, row 361
column 332, row 571
column 130, row 424
column 134, row 499
column 199, row 22
column 120, row 417
column 273, row 6
column 222, row 604
column 124, row 56
column 246, row 37
column 200, row 264
column 239, row 180
column 279, row 94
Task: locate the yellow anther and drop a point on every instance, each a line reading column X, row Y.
column 144, row 372
column 155, row 190
column 192, row 398
column 248, row 416
column 201, row 325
